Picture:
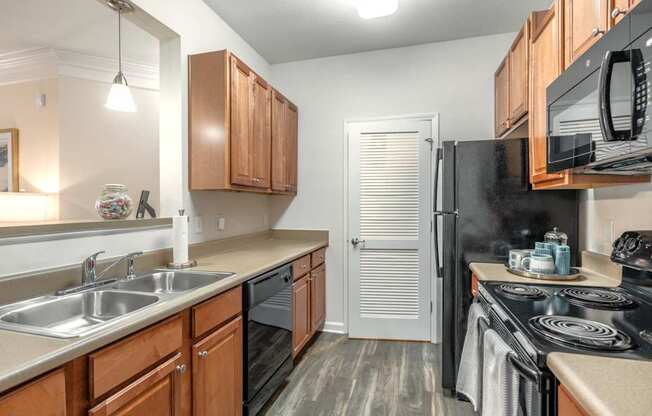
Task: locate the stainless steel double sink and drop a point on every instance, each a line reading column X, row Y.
column 83, row 313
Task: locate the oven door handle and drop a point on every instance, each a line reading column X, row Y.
column 525, row 371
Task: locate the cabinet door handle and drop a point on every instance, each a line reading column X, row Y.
column 181, row 368
column 596, row 32
column 617, row 12
column 203, row 354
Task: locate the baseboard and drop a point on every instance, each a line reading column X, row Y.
column 334, row 327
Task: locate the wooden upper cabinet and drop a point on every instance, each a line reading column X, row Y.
column 234, row 127
column 501, row 96
column 518, row 74
column 262, row 133
column 293, row 147
column 217, row 372
column 546, row 63
column 242, row 143
column 284, row 144
column 618, row 9
column 585, row 21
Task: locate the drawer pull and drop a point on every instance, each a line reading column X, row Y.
column 203, row 354
column 181, row 368
column 617, row 12
column 597, row 32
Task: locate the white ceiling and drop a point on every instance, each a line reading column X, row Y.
column 290, row 30
column 84, row 26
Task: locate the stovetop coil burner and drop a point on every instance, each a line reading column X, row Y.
column 522, row 292
column 581, row 333
column 598, row 298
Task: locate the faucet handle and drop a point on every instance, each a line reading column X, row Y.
column 88, row 267
column 131, row 268
column 93, row 257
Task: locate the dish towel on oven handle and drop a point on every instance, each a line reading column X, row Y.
column 469, row 375
column 500, row 381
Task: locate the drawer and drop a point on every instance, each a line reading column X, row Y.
column 301, row 266
column 46, row 396
column 216, row 311
column 318, row 257
column 113, row 365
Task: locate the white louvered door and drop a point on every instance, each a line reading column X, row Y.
column 389, row 213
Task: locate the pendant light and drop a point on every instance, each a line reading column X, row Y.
column 120, row 98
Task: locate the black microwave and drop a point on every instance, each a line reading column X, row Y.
column 598, row 118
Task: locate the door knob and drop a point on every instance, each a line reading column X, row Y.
column 355, row 241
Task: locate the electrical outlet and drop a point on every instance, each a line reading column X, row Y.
column 198, row 226
column 221, row 223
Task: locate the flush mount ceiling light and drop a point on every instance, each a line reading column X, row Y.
column 371, row 9
column 120, row 98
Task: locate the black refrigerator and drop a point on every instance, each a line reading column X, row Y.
column 487, row 208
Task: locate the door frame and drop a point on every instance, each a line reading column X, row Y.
column 433, row 290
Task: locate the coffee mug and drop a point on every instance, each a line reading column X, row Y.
column 539, row 263
column 516, row 258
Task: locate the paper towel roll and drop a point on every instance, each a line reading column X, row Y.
column 180, row 230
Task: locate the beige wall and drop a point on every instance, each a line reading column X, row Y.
column 606, row 213
column 38, row 132
column 99, row 146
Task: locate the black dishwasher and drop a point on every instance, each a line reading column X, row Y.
column 267, row 336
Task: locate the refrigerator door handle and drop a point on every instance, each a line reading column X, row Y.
column 437, row 213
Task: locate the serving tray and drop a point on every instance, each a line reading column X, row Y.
column 574, row 274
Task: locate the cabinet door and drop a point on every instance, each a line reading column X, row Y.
column 585, row 22
column 262, row 133
column 45, row 396
column 155, row 393
column 217, row 372
column 301, row 314
column 279, row 142
column 317, row 298
column 501, row 86
column 241, row 124
column 292, row 147
column 566, row 406
column 518, row 75
column 546, row 63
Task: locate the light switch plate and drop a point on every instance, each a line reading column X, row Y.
column 197, row 225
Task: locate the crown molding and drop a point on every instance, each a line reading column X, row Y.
column 44, row 63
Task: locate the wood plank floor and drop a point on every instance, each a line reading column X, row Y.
column 338, row 376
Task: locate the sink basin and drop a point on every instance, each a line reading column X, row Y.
column 73, row 315
column 170, row 282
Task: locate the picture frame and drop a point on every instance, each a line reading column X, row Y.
column 9, row 179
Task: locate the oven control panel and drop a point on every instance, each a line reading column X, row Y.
column 634, row 249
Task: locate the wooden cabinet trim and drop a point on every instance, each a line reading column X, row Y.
column 113, row 365
column 216, row 311
column 317, row 298
column 301, row 314
column 202, row 352
column 45, row 396
column 136, row 389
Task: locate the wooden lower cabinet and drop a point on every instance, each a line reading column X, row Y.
column 566, row 405
column 217, row 372
column 317, row 298
column 301, row 314
column 45, row 396
column 155, row 393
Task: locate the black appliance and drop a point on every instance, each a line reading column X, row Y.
column 598, row 116
column 267, row 336
column 488, row 209
column 538, row 319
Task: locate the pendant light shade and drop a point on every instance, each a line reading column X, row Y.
column 371, row 9
column 120, row 98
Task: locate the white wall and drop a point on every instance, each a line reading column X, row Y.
column 606, row 213
column 454, row 79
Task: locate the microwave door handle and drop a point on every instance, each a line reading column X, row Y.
column 609, row 133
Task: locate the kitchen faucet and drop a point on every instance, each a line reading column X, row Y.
column 90, row 277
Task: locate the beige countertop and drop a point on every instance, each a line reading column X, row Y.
column 609, row 276
column 23, row 356
column 605, row 386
